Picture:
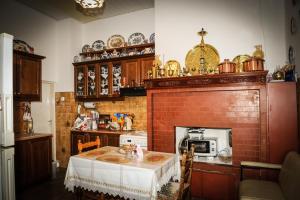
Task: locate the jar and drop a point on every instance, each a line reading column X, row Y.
column 253, row 64
column 226, row 67
column 258, row 53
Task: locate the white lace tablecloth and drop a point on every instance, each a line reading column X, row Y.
column 98, row 170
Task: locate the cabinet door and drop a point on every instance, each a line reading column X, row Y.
column 114, row 140
column 146, row 64
column 22, row 165
column 116, row 78
column 92, row 80
column 282, row 124
column 104, row 80
column 41, row 158
column 28, row 77
column 213, row 185
column 80, row 81
column 131, row 72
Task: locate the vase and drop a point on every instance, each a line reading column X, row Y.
column 258, row 53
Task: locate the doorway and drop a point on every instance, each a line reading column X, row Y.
column 43, row 114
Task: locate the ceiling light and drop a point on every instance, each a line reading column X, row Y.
column 90, row 3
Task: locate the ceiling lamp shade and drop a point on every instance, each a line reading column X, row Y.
column 90, row 3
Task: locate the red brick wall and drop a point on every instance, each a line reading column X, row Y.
column 241, row 108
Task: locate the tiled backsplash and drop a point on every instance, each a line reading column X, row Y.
column 66, row 112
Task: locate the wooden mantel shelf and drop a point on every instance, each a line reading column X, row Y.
column 237, row 79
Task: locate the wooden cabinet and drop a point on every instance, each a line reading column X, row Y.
column 131, row 72
column 33, row 159
column 27, row 76
column 107, row 138
column 102, row 79
column 282, row 120
column 214, row 182
column 146, row 64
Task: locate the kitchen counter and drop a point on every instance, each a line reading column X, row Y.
column 103, row 131
column 22, row 137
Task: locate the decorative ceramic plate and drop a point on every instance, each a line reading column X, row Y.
column 115, row 41
column 98, row 45
column 152, row 38
column 22, row 46
column 136, row 39
column 210, row 55
column 85, row 48
column 238, row 60
column 155, row 158
column 117, row 159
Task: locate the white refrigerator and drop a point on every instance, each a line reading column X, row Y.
column 7, row 138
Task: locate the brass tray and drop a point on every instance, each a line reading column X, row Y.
column 238, row 60
column 210, row 54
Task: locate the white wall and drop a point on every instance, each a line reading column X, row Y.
column 69, row 39
column 293, row 40
column 140, row 21
column 36, row 29
column 233, row 26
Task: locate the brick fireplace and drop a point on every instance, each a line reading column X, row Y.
column 242, row 107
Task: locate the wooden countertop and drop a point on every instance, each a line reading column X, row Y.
column 103, row 131
column 21, row 137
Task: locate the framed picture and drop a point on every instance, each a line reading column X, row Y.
column 291, row 55
column 293, row 26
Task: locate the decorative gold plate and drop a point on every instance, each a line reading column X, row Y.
column 172, row 68
column 155, row 158
column 115, row 41
column 210, row 54
column 113, row 159
column 238, row 60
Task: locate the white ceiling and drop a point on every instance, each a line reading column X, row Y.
column 61, row 9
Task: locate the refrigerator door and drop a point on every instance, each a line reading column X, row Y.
column 7, row 173
column 6, row 90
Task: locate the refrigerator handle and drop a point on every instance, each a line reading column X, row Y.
column 0, row 103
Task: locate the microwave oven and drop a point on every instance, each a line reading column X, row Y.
column 204, row 147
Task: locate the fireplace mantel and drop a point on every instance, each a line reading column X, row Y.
column 238, row 79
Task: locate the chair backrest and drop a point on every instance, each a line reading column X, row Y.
column 289, row 177
column 186, row 170
column 81, row 146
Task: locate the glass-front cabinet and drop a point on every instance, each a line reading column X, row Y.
column 80, row 77
column 104, row 80
column 116, row 77
column 91, row 81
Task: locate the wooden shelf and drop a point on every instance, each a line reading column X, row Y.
column 114, row 59
column 119, row 48
column 258, row 77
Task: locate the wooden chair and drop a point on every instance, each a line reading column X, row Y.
column 81, row 146
column 181, row 189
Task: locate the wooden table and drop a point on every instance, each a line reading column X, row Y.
column 106, row 170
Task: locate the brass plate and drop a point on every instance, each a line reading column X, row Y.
column 113, row 159
column 238, row 60
column 172, row 68
column 210, row 54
